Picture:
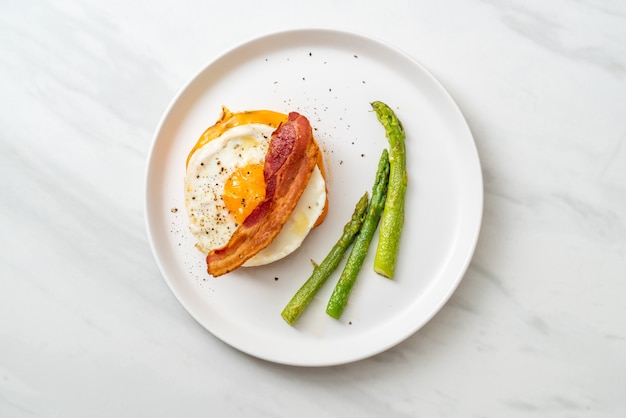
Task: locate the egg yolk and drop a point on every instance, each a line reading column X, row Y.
column 244, row 190
column 243, row 186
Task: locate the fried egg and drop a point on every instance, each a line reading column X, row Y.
column 224, row 183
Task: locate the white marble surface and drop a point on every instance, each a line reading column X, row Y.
column 88, row 328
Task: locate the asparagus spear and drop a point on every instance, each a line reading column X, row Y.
column 305, row 294
column 340, row 294
column 393, row 214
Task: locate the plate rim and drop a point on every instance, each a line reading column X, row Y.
column 468, row 256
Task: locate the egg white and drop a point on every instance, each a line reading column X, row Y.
column 299, row 224
column 207, row 171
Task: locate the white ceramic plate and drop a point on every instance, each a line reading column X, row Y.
column 331, row 77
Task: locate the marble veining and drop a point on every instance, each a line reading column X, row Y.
column 537, row 326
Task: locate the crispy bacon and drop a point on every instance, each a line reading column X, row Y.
column 289, row 162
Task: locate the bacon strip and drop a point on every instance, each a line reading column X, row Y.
column 289, row 162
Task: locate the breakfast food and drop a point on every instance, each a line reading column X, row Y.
column 322, row 271
column 358, row 233
column 254, row 188
column 386, row 206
